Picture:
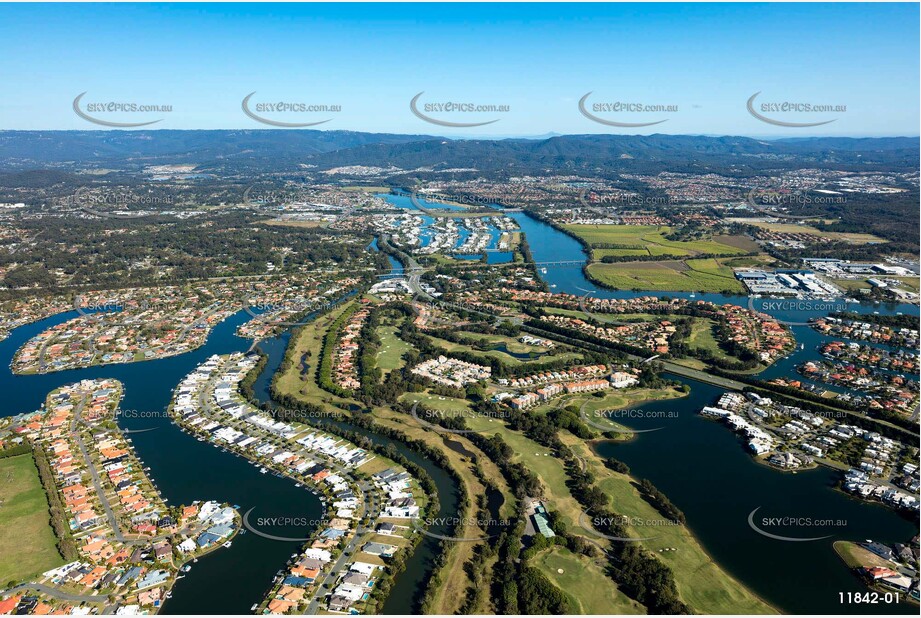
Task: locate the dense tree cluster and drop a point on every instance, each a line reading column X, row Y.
column 109, row 252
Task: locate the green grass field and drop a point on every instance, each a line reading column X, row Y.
column 852, row 284
column 359, row 189
column 27, row 542
column 454, row 579
column 634, row 240
column 308, row 341
column 907, row 283
column 540, row 460
column 702, row 583
column 748, row 260
column 614, row 317
column 912, row 284
column 586, row 583
column 508, row 359
column 511, row 343
column 599, row 254
column 390, row 355
column 739, row 241
column 436, row 402
column 702, row 336
column 695, row 275
column 623, row 399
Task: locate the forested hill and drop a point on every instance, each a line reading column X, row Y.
column 280, row 150
column 653, row 153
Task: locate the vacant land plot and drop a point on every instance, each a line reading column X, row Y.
column 856, row 556
column 909, row 283
column 748, row 261
column 852, row 284
column 586, row 583
column 739, row 241
column 700, row 275
column 702, row 336
column 27, row 542
column 636, row 240
column 794, row 228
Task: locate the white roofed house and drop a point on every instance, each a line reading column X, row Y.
column 365, row 568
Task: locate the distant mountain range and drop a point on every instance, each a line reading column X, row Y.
column 229, row 151
column 170, row 146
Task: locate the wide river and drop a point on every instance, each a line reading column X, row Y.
column 699, row 464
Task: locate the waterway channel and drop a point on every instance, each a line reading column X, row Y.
column 707, row 472
column 229, row 580
column 699, row 464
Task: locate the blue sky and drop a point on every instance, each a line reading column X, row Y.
column 538, row 59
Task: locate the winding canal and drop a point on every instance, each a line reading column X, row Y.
column 230, row 580
column 699, row 464
column 407, row 590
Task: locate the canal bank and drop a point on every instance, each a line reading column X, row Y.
column 700, row 465
column 183, row 469
column 409, row 586
column 229, row 581
column 706, row 472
